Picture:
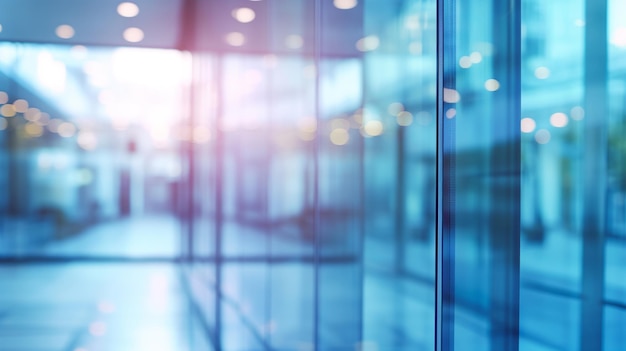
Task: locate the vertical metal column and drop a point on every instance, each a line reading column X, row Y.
column 317, row 49
column 505, row 178
column 595, row 175
column 219, row 193
column 444, row 265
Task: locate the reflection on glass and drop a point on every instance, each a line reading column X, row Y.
column 90, row 144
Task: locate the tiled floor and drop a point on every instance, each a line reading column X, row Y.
column 87, row 306
column 96, row 307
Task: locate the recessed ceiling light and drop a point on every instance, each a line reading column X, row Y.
column 235, row 39
column 133, row 35
column 65, row 31
column 128, row 9
column 345, row 4
column 244, row 14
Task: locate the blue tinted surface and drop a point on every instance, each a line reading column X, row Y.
column 314, row 175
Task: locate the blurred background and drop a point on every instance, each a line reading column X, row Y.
column 309, row 175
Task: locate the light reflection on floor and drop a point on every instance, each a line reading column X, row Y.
column 96, row 307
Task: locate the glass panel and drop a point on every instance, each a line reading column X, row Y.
column 480, row 163
column 90, row 146
column 399, row 129
column 552, row 187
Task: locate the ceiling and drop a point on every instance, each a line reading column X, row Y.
column 276, row 26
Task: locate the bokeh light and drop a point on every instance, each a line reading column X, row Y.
column 66, row 129
column 345, row 4
column 128, row 9
column 559, row 120
column 542, row 136
column 133, row 35
column 339, row 136
column 492, row 85
column 21, row 105
column 33, row 129
column 7, row 110
column 527, row 125
column 244, row 14
column 542, row 72
column 451, row 96
column 368, row 43
column 577, row 113
column 405, row 118
column 235, row 39
column 373, row 128
column 65, row 31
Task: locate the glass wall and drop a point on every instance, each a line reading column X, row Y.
column 339, row 174
column 90, row 148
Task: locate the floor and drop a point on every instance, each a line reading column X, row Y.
column 96, row 307
column 109, row 306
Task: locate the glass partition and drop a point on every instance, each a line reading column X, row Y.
column 90, row 148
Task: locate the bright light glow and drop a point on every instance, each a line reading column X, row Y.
column 201, row 135
column 492, row 85
column 51, row 74
column 412, row 22
column 373, row 128
column 79, row 52
column 394, row 108
column 451, row 113
column 451, row 96
column 0, row 28
column 235, row 39
column 339, row 136
column 542, row 136
column 294, row 41
column 43, row 119
column 106, row 307
column 345, row 4
column 128, row 9
column 66, row 129
column 65, row 31
column 542, row 72
column 3, row 123
column 405, row 118
column 33, row 129
column 243, row 14
column 54, row 124
column 368, row 43
column 618, row 37
column 559, row 120
column 528, row 125
column 21, row 105
column 7, row 110
column 577, row 113
column 133, row 35
column 579, row 22
column 465, row 62
column 4, row 97
column 87, row 140
column 97, row 328
column 476, row 57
